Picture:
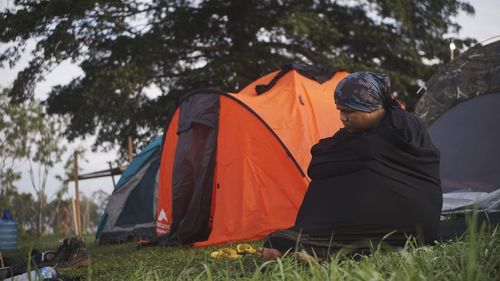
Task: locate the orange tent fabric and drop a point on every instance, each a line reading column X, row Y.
column 164, row 215
column 307, row 112
column 256, row 178
column 258, row 188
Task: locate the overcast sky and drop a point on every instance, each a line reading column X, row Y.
column 484, row 25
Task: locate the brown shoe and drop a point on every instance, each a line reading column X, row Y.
column 70, row 253
column 77, row 258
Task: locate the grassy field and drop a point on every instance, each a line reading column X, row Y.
column 474, row 257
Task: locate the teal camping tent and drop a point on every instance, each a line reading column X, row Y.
column 130, row 213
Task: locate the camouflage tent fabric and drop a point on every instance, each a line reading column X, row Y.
column 475, row 72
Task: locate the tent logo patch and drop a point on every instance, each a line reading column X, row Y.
column 162, row 225
column 162, row 216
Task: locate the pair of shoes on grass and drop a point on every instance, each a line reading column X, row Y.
column 241, row 249
column 70, row 254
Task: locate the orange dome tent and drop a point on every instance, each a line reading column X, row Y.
column 233, row 166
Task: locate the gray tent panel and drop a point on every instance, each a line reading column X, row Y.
column 121, row 196
column 468, row 136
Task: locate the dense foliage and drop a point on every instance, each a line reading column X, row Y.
column 126, row 47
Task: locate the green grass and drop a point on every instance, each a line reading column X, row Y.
column 474, row 257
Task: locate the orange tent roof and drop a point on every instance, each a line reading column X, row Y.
column 307, row 111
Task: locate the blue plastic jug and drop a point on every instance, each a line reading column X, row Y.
column 8, row 232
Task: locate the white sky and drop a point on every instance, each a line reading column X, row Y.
column 483, row 25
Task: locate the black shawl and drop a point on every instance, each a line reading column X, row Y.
column 367, row 185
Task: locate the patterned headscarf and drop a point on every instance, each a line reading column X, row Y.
column 364, row 91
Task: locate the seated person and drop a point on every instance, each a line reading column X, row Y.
column 375, row 180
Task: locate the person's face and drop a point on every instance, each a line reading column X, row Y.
column 358, row 121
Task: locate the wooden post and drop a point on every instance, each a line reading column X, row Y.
column 130, row 147
column 77, row 194
column 75, row 221
column 111, row 172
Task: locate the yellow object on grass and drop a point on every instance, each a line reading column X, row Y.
column 225, row 253
column 229, row 253
column 245, row 249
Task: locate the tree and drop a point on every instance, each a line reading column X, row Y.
column 90, row 215
column 28, row 134
column 91, row 207
column 15, row 122
column 100, row 197
column 61, row 217
column 45, row 149
column 125, row 46
column 60, row 212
